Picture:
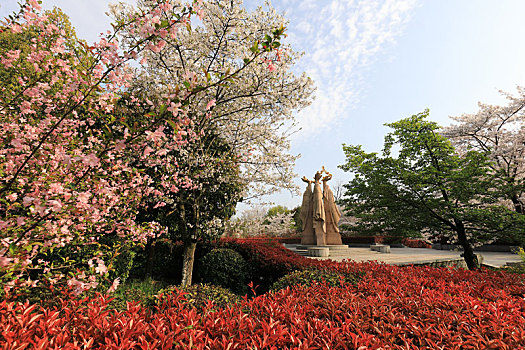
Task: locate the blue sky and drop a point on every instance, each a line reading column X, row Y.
column 377, row 61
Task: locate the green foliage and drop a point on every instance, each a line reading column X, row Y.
column 226, row 268
column 190, row 213
column 122, row 264
column 519, row 267
column 298, row 224
column 278, row 209
column 161, row 259
column 141, row 291
column 199, row 294
column 310, row 277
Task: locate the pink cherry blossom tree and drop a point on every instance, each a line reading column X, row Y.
column 67, row 176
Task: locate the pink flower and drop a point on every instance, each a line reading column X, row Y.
column 35, row 4
column 12, row 197
column 120, row 145
column 57, row 188
column 4, row 261
column 27, row 201
column 17, row 144
column 55, row 204
column 11, row 57
column 83, row 197
column 210, row 104
column 114, row 286
column 157, row 135
column 147, row 151
column 78, row 286
column 25, row 108
column 91, row 160
column 101, row 267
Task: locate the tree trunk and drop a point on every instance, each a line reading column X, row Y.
column 468, row 253
column 187, row 262
column 518, row 206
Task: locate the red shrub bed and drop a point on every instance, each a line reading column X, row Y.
column 415, row 243
column 392, row 308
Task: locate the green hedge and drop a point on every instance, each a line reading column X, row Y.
column 314, row 276
column 199, row 294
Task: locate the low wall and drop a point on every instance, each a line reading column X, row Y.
column 483, row 248
column 446, row 262
column 457, row 263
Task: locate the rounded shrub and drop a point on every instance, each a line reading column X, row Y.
column 312, row 276
column 226, row 268
column 198, row 295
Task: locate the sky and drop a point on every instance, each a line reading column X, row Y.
column 374, row 62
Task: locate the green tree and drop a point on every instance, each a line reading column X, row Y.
column 427, row 187
column 9, row 40
column 197, row 214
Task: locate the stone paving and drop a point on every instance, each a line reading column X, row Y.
column 404, row 256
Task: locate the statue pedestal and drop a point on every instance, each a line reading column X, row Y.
column 381, row 248
column 318, row 251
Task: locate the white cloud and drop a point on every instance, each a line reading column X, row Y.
column 341, row 39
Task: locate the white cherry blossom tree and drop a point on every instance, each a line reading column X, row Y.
column 500, row 132
column 250, row 99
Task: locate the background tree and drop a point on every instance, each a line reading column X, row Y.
column 338, row 189
column 498, row 131
column 427, row 187
column 276, row 210
column 250, row 99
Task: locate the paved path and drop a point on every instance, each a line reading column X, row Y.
column 404, row 256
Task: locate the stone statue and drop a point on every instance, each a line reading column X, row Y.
column 306, row 215
column 319, row 213
column 332, row 214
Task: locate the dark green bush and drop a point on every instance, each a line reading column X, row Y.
column 312, row 276
column 198, row 295
column 226, row 268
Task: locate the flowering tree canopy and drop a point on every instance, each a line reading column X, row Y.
column 499, row 131
column 256, row 94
